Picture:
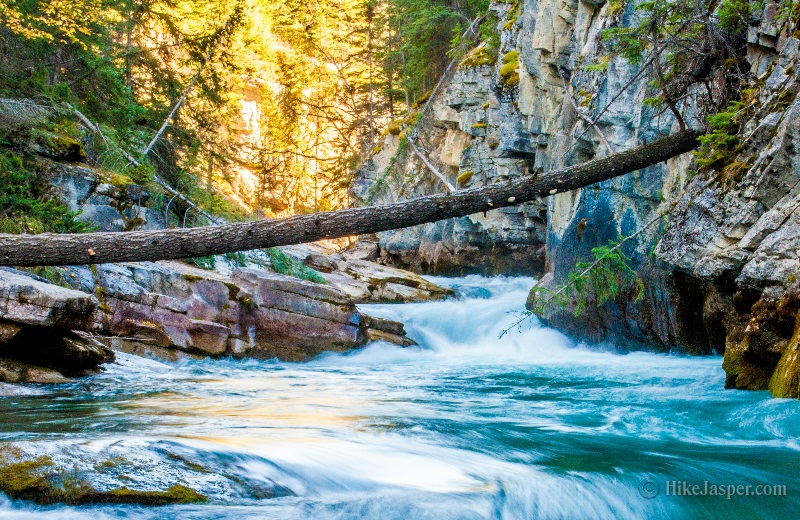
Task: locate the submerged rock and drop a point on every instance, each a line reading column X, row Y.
column 39, row 480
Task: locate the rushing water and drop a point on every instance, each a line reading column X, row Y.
column 465, row 426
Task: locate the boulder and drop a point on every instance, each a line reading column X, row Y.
column 37, row 338
column 389, row 284
column 364, row 281
column 56, row 146
column 104, row 216
column 26, row 301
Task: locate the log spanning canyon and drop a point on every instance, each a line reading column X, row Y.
column 48, row 249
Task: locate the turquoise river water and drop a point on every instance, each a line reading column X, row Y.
column 465, row 426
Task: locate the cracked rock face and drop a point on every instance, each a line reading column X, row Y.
column 475, row 135
column 718, row 271
column 99, row 203
column 744, row 233
column 368, row 282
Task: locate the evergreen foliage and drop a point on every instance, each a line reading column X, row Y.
column 591, row 284
column 24, row 203
column 282, row 263
column 690, row 51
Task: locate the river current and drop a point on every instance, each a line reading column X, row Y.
column 465, row 426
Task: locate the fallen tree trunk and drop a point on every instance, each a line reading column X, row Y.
column 96, row 248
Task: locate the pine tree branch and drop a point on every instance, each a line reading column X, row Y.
column 561, row 290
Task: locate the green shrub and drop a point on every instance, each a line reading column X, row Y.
column 204, row 262
column 25, row 206
column 282, row 263
column 721, row 145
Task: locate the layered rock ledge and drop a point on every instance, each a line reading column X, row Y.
column 38, row 338
column 170, row 310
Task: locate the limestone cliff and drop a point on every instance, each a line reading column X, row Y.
column 720, row 268
column 475, row 134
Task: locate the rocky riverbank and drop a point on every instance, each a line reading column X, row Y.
column 69, row 323
column 171, row 310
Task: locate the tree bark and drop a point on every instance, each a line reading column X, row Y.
column 96, row 248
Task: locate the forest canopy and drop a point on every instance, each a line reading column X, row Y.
column 281, row 97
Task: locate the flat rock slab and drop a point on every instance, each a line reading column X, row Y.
column 364, row 281
column 26, row 301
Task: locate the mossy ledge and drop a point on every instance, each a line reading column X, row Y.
column 38, row 480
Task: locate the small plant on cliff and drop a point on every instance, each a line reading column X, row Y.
column 721, row 144
column 592, row 283
column 509, row 76
column 789, row 17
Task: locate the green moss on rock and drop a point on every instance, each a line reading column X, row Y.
column 177, row 494
column 38, row 480
column 509, row 76
column 744, row 373
column 478, row 57
column 464, row 178
column 785, row 380
column 26, row 480
column 56, row 146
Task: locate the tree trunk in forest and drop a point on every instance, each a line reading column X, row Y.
column 96, row 248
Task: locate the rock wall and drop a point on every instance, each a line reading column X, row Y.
column 738, row 229
column 558, row 96
column 717, row 252
column 474, row 134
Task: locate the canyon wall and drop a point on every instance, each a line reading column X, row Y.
column 717, row 252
